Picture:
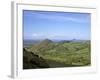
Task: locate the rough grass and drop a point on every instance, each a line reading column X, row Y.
column 67, row 53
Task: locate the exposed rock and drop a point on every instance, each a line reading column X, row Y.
column 31, row 60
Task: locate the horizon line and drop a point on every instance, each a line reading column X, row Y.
column 56, row 39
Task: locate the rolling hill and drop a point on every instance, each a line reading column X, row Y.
column 64, row 53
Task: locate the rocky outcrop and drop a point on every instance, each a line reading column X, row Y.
column 31, row 60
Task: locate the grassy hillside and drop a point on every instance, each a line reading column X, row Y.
column 63, row 53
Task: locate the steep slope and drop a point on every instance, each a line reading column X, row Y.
column 31, row 60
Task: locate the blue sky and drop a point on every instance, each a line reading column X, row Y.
column 56, row 25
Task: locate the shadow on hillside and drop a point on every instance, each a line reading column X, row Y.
column 31, row 60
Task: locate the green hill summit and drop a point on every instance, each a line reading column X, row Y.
column 46, row 41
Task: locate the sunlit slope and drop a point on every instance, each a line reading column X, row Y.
column 71, row 53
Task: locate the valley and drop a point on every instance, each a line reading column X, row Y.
column 64, row 53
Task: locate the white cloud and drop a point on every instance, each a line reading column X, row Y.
column 34, row 35
column 52, row 35
column 37, row 35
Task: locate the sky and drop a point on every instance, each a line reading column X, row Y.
column 56, row 25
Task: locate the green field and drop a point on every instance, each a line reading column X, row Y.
column 62, row 53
